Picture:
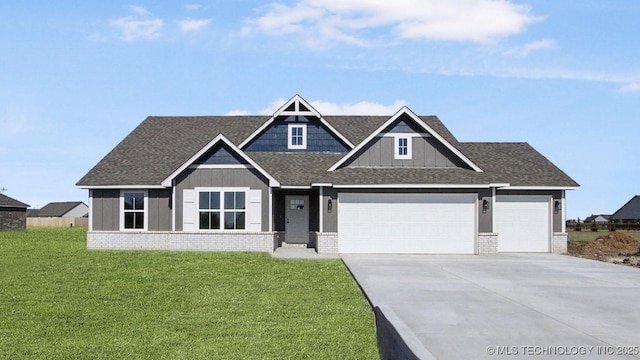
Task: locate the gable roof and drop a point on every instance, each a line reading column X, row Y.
column 628, row 211
column 57, row 209
column 160, row 147
column 8, row 202
column 406, row 111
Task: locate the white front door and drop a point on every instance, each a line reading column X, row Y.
column 296, row 219
column 523, row 223
column 407, row 223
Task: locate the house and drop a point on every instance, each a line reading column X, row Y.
column 13, row 213
column 339, row 184
column 629, row 212
column 598, row 219
column 67, row 209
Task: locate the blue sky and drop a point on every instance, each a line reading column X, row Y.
column 77, row 76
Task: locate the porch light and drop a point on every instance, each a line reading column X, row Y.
column 557, row 206
column 329, row 205
column 485, row 206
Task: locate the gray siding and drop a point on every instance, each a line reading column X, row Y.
column 275, row 137
column 159, row 211
column 426, row 152
column 485, row 219
column 220, row 154
column 556, row 194
column 330, row 219
column 105, row 207
column 250, row 178
column 403, row 125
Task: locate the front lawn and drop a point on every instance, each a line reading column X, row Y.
column 588, row 235
column 58, row 300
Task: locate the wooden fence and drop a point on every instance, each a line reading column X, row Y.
column 605, row 227
column 57, row 222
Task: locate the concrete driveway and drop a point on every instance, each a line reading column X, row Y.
column 517, row 305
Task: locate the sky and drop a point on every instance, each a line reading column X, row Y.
column 77, row 76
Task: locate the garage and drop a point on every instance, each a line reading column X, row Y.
column 523, row 223
column 407, row 223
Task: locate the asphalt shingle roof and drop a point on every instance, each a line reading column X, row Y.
column 57, row 209
column 630, row 210
column 6, row 201
column 160, row 145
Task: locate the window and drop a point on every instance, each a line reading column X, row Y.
column 297, row 136
column 133, row 210
column 222, row 210
column 402, row 146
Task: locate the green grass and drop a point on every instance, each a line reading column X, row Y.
column 588, row 235
column 60, row 301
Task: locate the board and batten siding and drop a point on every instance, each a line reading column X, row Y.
column 106, row 210
column 105, row 207
column 426, row 152
column 221, row 178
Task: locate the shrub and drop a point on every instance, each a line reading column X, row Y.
column 594, row 226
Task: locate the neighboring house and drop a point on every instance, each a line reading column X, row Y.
column 348, row 184
column 68, row 209
column 598, row 219
column 13, row 214
column 629, row 212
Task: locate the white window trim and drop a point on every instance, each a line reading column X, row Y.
column 146, row 209
column 222, row 209
column 304, row 136
column 396, row 145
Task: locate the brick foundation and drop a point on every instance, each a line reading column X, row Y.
column 327, row 243
column 559, row 242
column 487, row 243
column 181, row 241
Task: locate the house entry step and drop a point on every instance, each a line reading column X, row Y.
column 293, row 246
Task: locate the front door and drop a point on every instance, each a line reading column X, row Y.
column 296, row 219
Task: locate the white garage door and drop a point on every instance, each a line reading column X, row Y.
column 523, row 223
column 407, row 223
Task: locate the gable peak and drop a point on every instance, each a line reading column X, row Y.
column 297, row 106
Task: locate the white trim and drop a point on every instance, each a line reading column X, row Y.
column 173, row 205
column 270, row 209
column 322, row 184
column 222, row 209
column 119, row 187
column 413, row 186
column 539, row 188
column 422, row 124
column 321, row 206
column 563, row 212
column 295, row 187
column 413, row 135
column 272, row 181
column 290, row 128
column 90, row 210
column 396, row 146
column 145, row 210
column 220, row 166
column 298, row 100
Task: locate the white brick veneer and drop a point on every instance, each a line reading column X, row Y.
column 180, row 241
column 487, row 243
column 560, row 242
column 327, row 243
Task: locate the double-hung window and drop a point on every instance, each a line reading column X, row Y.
column 222, row 210
column 133, row 215
column 297, row 138
column 402, row 147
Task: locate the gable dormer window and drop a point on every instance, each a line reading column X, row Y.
column 402, row 145
column 297, row 136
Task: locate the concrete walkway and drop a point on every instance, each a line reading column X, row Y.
column 519, row 305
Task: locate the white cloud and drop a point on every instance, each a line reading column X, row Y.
column 237, row 113
column 188, row 24
column 192, row 7
column 327, row 21
column 332, row 108
column 134, row 29
column 140, row 10
column 631, row 87
column 528, row 48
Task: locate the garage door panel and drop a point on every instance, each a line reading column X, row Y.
column 523, row 223
column 407, row 223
